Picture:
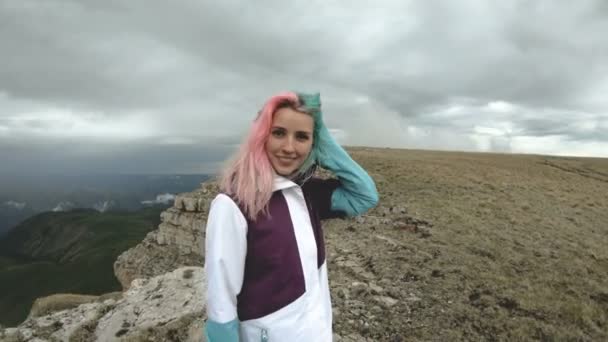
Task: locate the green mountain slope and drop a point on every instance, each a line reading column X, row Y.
column 66, row 252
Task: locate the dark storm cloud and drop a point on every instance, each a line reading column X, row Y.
column 148, row 157
column 188, row 73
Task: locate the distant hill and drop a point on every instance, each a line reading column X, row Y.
column 66, row 252
column 10, row 215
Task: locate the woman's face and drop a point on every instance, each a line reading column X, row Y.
column 290, row 140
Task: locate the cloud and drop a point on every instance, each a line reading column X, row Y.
column 69, row 157
column 15, row 205
column 160, row 199
column 63, row 124
column 64, row 206
column 104, row 206
column 125, row 78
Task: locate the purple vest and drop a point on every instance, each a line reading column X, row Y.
column 273, row 272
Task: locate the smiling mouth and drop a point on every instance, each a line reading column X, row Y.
column 286, row 159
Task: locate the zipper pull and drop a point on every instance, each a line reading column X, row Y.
column 264, row 335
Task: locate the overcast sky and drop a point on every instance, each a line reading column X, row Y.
column 172, row 86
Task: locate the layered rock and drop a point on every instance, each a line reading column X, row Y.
column 178, row 241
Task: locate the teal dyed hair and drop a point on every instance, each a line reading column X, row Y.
column 311, row 104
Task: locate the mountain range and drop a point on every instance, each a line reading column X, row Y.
column 22, row 196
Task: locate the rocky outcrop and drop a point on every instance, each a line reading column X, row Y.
column 178, row 241
column 163, row 308
column 162, row 279
column 149, row 259
column 163, row 282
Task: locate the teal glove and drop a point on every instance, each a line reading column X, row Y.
column 358, row 192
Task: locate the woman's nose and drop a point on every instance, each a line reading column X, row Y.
column 288, row 145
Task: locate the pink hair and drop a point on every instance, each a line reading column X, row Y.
column 249, row 176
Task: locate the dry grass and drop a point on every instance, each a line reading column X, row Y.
column 517, row 248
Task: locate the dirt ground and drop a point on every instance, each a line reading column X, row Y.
column 474, row 247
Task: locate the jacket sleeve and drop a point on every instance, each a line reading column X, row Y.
column 225, row 251
column 357, row 192
column 321, row 191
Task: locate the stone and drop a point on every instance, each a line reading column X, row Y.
column 386, row 301
column 171, row 299
column 163, row 308
column 387, row 239
column 178, row 241
column 375, row 288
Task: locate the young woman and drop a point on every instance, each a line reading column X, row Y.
column 265, row 254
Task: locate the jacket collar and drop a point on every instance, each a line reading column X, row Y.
column 281, row 183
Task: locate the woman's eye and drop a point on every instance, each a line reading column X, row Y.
column 302, row 137
column 278, row 133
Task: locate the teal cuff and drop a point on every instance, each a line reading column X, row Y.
column 222, row 332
